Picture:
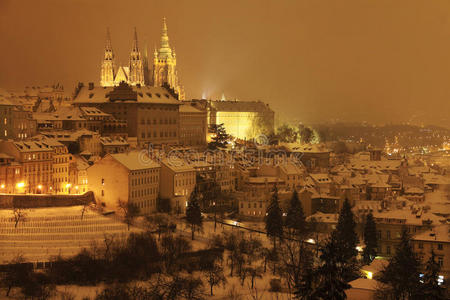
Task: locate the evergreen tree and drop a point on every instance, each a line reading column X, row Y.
column 402, row 273
column 193, row 212
column 370, row 239
column 295, row 217
column 430, row 289
column 220, row 137
column 274, row 218
column 345, row 234
column 330, row 273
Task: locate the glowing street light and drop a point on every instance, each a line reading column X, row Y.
column 2, row 186
column 39, row 187
column 20, row 184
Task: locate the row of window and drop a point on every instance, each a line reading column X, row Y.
column 144, row 192
column 60, row 170
column 250, row 205
column 146, row 171
column 144, row 180
column 38, row 156
column 161, row 121
column 182, row 182
column 32, row 168
column 161, row 134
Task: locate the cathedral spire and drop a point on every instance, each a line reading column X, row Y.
column 135, row 41
column 108, row 65
column 164, row 38
column 108, row 40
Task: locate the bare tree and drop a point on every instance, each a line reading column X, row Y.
column 19, row 216
column 130, row 211
column 160, row 221
column 253, row 273
column 214, row 276
column 15, row 274
column 84, row 209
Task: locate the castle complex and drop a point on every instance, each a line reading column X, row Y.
column 137, row 72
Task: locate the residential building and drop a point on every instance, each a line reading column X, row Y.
column 130, row 177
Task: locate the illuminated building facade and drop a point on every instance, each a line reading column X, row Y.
column 151, row 113
column 242, row 119
column 193, row 126
column 165, row 65
column 132, row 74
column 163, row 74
column 36, row 159
column 127, row 177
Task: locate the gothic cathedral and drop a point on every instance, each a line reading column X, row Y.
column 137, row 72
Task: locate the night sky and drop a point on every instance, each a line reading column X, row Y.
column 312, row 60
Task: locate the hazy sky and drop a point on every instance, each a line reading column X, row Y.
column 311, row 60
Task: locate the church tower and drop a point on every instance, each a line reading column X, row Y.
column 108, row 64
column 136, row 75
column 164, row 65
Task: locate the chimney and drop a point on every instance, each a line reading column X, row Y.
column 91, row 85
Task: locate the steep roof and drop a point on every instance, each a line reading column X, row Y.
column 144, row 94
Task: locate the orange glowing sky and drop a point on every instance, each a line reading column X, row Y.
column 311, row 60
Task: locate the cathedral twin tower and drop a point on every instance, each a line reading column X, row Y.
column 137, row 72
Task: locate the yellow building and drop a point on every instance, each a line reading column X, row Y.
column 36, row 159
column 131, row 177
column 242, row 119
column 61, row 160
column 178, row 179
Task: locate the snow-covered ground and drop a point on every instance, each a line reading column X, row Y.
column 46, row 232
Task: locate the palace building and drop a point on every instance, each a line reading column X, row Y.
column 164, row 72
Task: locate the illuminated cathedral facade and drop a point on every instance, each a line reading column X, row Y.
column 163, row 72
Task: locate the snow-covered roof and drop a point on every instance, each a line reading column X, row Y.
column 439, row 233
column 135, row 160
column 109, row 141
column 364, row 284
column 177, row 165
column 144, row 94
column 408, row 216
column 187, row 108
column 414, row 190
column 310, row 148
column 32, row 146
column 377, row 265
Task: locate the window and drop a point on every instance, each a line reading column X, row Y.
column 388, row 250
column 440, row 246
column 388, row 235
column 420, row 245
column 440, row 261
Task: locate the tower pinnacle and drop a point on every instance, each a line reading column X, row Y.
column 164, row 38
